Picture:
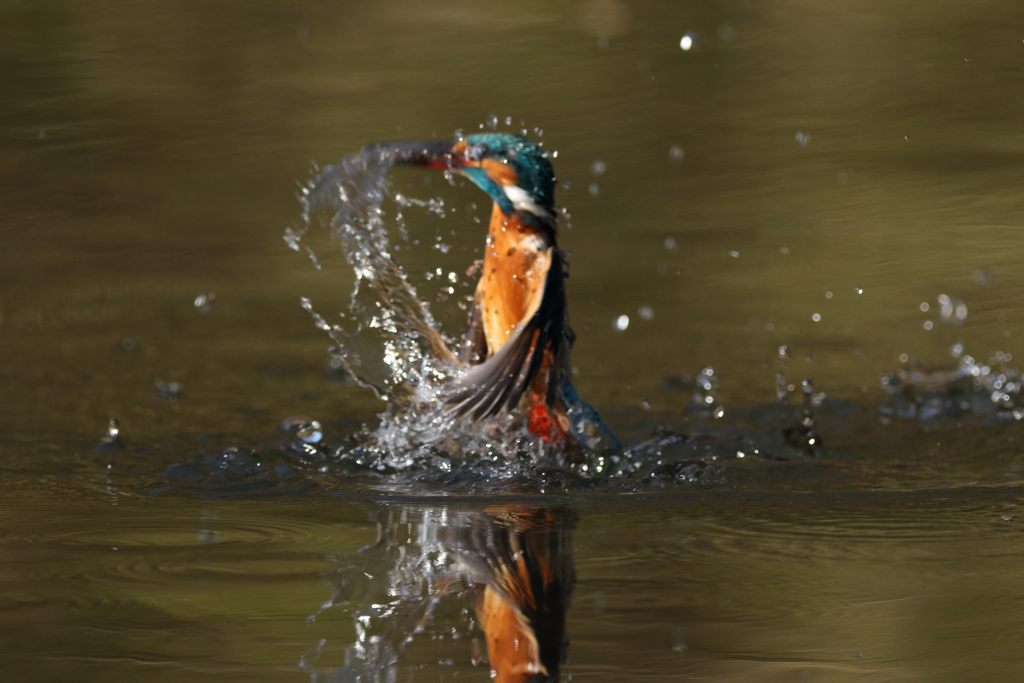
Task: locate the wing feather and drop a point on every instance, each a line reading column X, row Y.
column 499, row 382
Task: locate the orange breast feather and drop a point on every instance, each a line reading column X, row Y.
column 516, row 262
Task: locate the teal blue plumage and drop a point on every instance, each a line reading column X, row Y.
column 526, row 158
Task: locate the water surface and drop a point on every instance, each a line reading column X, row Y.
column 849, row 163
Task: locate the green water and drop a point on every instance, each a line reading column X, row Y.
column 850, row 161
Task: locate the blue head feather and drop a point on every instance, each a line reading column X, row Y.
column 536, row 176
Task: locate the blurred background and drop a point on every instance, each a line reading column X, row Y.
column 832, row 190
column 847, row 161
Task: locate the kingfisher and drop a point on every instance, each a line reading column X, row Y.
column 516, row 340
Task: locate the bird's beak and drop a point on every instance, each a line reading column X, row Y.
column 434, row 154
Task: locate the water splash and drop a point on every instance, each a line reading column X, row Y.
column 705, row 393
column 989, row 389
column 799, row 427
column 387, row 338
column 395, row 348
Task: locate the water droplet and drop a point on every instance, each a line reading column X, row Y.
column 904, row 358
column 828, row 295
column 621, row 323
column 598, row 167
column 594, row 190
column 492, row 122
column 924, row 306
column 676, row 154
column 168, row 391
column 306, row 429
column 928, row 324
column 646, row 404
column 687, row 42
column 734, row 254
column 982, row 277
column 816, row 317
column 204, row 301
column 111, row 439
column 670, row 244
column 598, row 603
column 127, row 344
column 679, row 639
column 859, row 290
column 705, row 390
column 802, row 138
column 646, row 312
column 952, row 311
column 783, row 351
column 312, row 258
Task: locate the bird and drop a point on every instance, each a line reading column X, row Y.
column 516, row 341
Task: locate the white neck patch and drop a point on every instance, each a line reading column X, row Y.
column 522, row 200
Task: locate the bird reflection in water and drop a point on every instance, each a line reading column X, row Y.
column 508, row 567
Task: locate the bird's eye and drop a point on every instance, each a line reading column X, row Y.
column 476, row 152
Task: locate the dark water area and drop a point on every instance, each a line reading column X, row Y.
column 806, row 192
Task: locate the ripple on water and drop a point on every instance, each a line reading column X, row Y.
column 831, row 527
column 819, row 578
column 113, row 545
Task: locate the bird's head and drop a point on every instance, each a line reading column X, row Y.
column 514, row 171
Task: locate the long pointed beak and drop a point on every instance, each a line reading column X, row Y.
column 433, row 154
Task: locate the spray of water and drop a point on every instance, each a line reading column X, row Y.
column 388, row 339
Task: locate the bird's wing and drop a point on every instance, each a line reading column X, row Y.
column 498, row 383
